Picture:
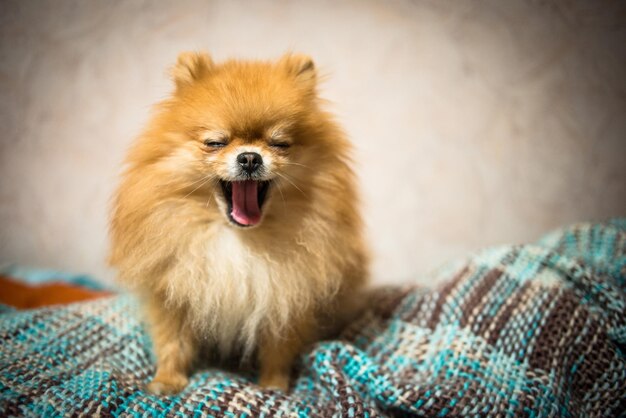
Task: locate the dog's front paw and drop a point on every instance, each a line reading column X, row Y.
column 275, row 381
column 169, row 385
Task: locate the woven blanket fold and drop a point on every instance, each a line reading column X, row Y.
column 533, row 330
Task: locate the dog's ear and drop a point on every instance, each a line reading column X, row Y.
column 301, row 67
column 190, row 67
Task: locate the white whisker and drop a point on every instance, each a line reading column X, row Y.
column 208, row 178
column 208, row 201
column 298, row 164
column 292, row 183
column 282, row 196
column 191, row 184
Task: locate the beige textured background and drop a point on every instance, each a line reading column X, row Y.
column 476, row 122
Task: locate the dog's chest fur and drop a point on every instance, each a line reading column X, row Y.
column 234, row 292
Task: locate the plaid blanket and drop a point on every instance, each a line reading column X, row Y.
column 536, row 330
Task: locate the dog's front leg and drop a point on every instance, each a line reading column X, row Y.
column 175, row 349
column 277, row 353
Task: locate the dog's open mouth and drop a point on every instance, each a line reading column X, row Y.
column 245, row 200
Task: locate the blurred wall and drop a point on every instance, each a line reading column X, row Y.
column 476, row 123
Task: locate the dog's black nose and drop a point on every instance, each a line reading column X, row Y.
column 249, row 161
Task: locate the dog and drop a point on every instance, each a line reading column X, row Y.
column 237, row 221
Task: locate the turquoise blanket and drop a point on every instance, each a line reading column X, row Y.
column 535, row 330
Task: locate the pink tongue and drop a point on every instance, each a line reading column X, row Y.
column 246, row 209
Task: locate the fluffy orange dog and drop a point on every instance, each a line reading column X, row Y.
column 237, row 218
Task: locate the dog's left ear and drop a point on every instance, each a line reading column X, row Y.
column 302, row 68
column 191, row 66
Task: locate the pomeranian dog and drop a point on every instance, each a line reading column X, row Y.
column 237, row 220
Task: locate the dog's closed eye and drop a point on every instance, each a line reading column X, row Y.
column 282, row 145
column 214, row 144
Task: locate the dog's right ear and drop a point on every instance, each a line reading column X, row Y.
column 190, row 67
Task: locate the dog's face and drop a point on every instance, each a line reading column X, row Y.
column 245, row 170
column 242, row 134
column 250, row 167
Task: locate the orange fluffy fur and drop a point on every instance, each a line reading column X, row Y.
column 269, row 289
